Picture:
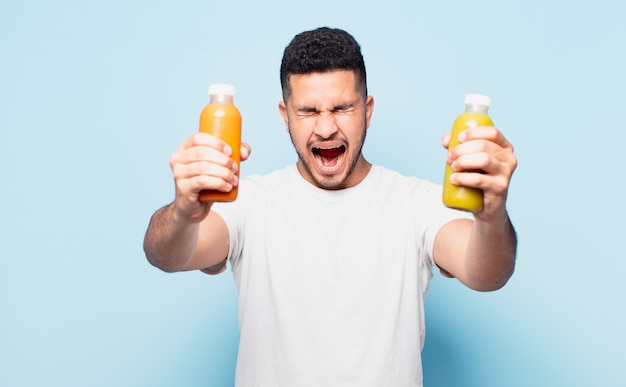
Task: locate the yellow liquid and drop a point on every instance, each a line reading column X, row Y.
column 454, row 196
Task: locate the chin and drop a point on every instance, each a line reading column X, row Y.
column 333, row 182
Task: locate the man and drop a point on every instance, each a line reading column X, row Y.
column 332, row 257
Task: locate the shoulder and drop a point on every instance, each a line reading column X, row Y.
column 285, row 174
column 274, row 184
column 395, row 180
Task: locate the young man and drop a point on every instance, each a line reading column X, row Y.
column 332, row 257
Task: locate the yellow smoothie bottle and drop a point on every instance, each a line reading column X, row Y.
column 475, row 114
column 222, row 119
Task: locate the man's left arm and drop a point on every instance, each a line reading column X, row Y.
column 480, row 253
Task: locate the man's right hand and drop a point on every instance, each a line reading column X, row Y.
column 202, row 162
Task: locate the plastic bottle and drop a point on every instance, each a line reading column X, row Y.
column 222, row 119
column 475, row 114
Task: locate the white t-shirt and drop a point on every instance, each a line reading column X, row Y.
column 331, row 284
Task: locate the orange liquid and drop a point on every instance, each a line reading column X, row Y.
column 223, row 121
column 454, row 196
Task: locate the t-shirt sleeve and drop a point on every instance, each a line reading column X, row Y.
column 230, row 214
column 233, row 215
column 435, row 214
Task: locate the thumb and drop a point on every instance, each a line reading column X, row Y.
column 245, row 151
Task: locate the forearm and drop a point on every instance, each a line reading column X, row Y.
column 490, row 254
column 169, row 243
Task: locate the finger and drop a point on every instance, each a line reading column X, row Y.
column 471, row 147
column 490, row 184
column 207, row 153
column 445, row 140
column 500, row 153
column 199, row 168
column 489, row 133
column 202, row 153
column 205, row 139
column 478, row 161
column 204, row 175
column 484, row 170
column 245, row 151
column 191, row 187
column 491, row 159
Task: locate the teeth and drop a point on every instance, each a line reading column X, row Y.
column 317, row 150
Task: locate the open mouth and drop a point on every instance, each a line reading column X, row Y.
column 329, row 159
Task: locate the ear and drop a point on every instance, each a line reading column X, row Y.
column 282, row 108
column 369, row 109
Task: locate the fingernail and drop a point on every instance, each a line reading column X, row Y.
column 227, row 150
column 462, row 137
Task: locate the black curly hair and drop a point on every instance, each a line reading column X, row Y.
column 321, row 50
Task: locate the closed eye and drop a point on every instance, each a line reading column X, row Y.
column 307, row 111
column 345, row 108
column 339, row 109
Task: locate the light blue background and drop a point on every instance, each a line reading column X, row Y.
column 95, row 96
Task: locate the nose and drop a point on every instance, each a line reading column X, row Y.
column 325, row 125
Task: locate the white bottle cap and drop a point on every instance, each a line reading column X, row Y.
column 477, row 99
column 221, row 89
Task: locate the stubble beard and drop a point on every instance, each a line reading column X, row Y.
column 330, row 183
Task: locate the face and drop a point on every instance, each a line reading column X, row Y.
column 327, row 118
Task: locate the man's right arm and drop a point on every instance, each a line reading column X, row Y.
column 186, row 235
column 172, row 244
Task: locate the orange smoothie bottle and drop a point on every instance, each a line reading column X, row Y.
column 222, row 119
column 459, row 197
